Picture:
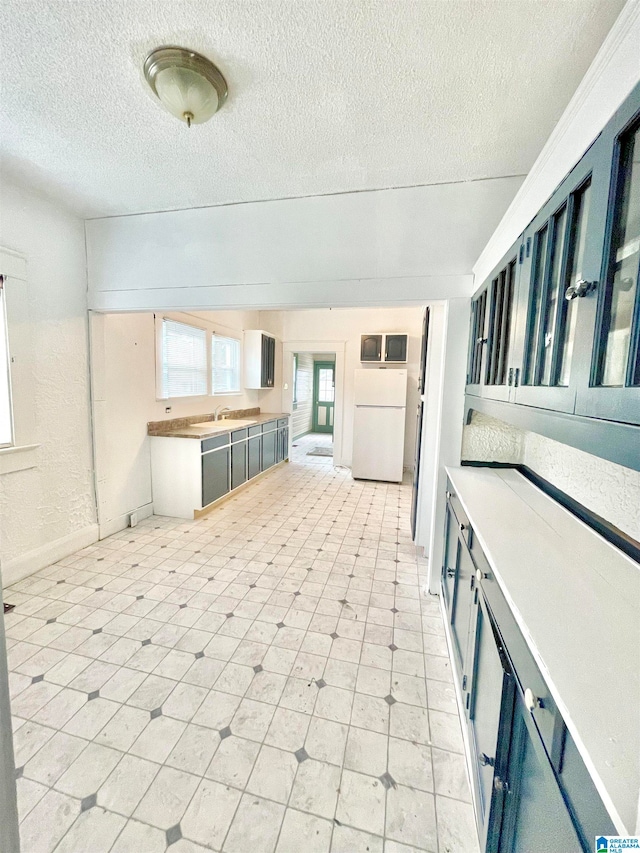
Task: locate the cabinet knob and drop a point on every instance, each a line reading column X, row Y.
column 531, row 701
column 451, row 573
column 500, row 785
column 448, row 495
column 484, row 759
column 481, row 575
column 462, row 526
column 580, row 288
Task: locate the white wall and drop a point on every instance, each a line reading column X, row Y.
column 47, row 511
column 609, row 490
column 124, row 401
column 346, row 325
column 610, row 78
column 372, row 248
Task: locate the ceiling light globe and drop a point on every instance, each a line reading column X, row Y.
column 186, row 83
column 186, row 94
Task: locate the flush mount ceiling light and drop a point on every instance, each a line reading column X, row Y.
column 187, row 84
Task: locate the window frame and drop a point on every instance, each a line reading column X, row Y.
column 227, row 337
column 185, row 321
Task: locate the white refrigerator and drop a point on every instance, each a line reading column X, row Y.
column 378, row 424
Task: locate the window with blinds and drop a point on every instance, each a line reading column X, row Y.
column 225, row 365
column 6, row 431
column 184, row 360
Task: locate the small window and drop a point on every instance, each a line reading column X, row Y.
column 225, row 365
column 184, row 360
column 6, row 425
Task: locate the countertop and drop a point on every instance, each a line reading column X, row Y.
column 188, row 432
column 576, row 599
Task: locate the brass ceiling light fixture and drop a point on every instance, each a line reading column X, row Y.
column 186, row 83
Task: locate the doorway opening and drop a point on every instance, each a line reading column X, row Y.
column 314, row 399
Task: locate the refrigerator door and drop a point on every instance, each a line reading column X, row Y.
column 380, row 387
column 378, row 443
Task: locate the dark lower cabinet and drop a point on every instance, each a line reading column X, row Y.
column 535, row 815
column 238, row 464
column 269, row 449
column 492, row 687
column 215, row 475
column 458, row 581
column 282, row 449
column 531, row 788
column 254, row 455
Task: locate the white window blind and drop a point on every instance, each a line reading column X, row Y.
column 6, row 432
column 184, row 360
column 225, row 365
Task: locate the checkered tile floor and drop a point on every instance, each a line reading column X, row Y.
column 271, row 677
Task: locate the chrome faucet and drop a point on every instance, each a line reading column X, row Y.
column 218, row 411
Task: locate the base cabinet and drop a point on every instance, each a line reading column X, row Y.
column 238, row 464
column 215, row 475
column 254, row 456
column 531, row 788
column 268, row 449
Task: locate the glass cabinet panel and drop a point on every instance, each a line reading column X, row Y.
column 619, row 362
column 538, row 277
column 577, row 244
column 502, row 289
column 553, row 297
column 478, row 317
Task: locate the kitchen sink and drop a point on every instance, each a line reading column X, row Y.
column 222, row 425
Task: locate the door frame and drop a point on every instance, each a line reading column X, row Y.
column 317, row 367
column 336, row 348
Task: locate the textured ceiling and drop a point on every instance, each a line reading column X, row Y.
column 325, row 95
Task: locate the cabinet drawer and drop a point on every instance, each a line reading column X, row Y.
column 255, row 430
column 283, row 422
column 269, row 426
column 238, row 435
column 216, row 441
column 545, row 714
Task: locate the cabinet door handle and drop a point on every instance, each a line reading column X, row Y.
column 580, row 288
column 485, row 760
column 531, row 701
column 500, row 785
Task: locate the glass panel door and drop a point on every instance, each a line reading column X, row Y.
column 324, row 390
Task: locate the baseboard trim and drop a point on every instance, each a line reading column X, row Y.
column 115, row 525
column 39, row 558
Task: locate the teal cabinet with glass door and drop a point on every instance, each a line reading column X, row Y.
column 557, row 324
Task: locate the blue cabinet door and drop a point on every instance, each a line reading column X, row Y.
column 536, row 817
column 492, row 687
column 238, row 464
column 255, row 455
column 269, row 449
column 215, row 475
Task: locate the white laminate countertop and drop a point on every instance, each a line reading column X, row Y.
column 576, row 599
